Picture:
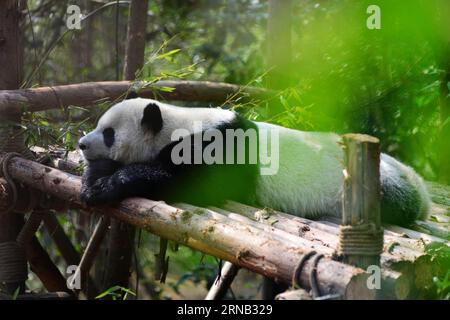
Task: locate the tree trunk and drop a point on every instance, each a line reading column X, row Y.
column 278, row 46
column 11, row 62
column 121, row 235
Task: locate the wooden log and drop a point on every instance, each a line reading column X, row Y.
column 63, row 243
column 324, row 234
column 298, row 294
column 274, row 232
column 30, row 227
column 413, row 234
column 11, row 64
column 440, row 230
column 39, row 296
column 240, row 244
column 395, row 285
column 44, row 268
column 92, row 248
column 67, row 250
column 361, row 236
column 91, row 93
column 223, row 281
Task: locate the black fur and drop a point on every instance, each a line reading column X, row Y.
column 109, row 137
column 152, row 119
column 161, row 179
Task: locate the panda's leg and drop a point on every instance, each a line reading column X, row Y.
column 404, row 194
column 97, row 169
column 140, row 179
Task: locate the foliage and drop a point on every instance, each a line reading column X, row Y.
column 389, row 83
column 116, row 293
column 440, row 260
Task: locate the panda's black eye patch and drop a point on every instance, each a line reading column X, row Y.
column 108, row 137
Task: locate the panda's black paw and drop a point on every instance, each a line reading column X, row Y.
column 103, row 191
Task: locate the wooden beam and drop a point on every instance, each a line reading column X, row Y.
column 209, row 232
column 91, row 93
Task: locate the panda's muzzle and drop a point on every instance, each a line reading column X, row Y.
column 82, row 146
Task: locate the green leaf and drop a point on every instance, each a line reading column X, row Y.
column 168, row 54
column 166, row 89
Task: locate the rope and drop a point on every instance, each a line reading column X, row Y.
column 13, row 264
column 364, row 239
column 313, row 274
column 4, row 160
column 298, row 270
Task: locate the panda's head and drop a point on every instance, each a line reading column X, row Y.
column 125, row 133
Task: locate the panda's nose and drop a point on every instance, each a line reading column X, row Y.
column 82, row 144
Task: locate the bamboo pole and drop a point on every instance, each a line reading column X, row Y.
column 242, row 245
column 361, row 236
column 90, row 93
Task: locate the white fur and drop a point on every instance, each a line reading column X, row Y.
column 309, row 178
column 309, row 181
column 132, row 144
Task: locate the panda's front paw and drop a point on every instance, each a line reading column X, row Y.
column 103, row 191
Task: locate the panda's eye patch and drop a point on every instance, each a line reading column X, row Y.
column 108, row 137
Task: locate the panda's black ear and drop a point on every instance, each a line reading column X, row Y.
column 152, row 119
column 131, row 95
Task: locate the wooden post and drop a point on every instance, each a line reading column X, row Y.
column 91, row 249
column 13, row 268
column 121, row 236
column 361, row 235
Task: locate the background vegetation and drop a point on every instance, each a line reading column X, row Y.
column 391, row 83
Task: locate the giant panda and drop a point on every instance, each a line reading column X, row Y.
column 131, row 153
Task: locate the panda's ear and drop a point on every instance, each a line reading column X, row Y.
column 131, row 95
column 152, row 119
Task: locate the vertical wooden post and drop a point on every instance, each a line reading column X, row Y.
column 121, row 235
column 13, row 274
column 361, row 236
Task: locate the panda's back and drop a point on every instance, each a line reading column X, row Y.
column 309, row 177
